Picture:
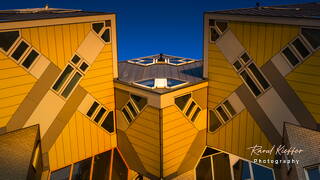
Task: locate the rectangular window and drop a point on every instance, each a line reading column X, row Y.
column 132, row 109
column 237, row 65
column 190, row 108
column 255, row 71
column 30, row 59
column 7, row 39
column 301, row 48
column 245, row 57
column 126, row 114
column 75, row 59
column 63, row 173
column 222, row 113
column 92, row 109
column 195, row 114
column 101, row 166
column 73, row 82
column 214, row 122
column 81, row 170
column 229, row 107
column 290, row 56
column 99, row 115
column 63, row 77
column 250, row 83
column 84, row 66
column 22, row 47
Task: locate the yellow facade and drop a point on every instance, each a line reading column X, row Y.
column 261, row 40
column 305, row 82
column 15, row 84
column 223, row 79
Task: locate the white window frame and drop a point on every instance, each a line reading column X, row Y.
column 15, row 47
column 102, row 31
column 220, row 33
column 26, row 55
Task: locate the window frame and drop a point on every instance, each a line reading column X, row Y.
column 297, row 51
column 306, row 40
column 14, row 43
column 220, row 33
column 25, row 57
column 10, row 53
column 135, row 107
column 219, row 119
column 309, row 167
column 102, row 31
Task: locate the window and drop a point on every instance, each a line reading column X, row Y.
column 313, row 172
column 241, row 170
column 260, row 172
column 108, row 123
column 220, row 115
column 214, row 122
column 312, row 36
column 296, row 51
column 174, row 83
column 7, row 39
column 71, row 76
column 204, row 169
column 61, row 174
column 161, row 59
column 20, row 50
column 81, row 170
column 182, row 101
column 168, row 83
column 209, row 151
column 217, row 28
column 251, row 74
column 92, row 109
column 31, row 57
column 147, row 83
column 102, row 29
column 101, row 166
column 188, row 106
column 99, row 115
column 119, row 168
column 133, row 107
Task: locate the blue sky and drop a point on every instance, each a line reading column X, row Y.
column 147, row 27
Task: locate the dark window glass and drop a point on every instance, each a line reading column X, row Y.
column 250, row 83
column 92, row 109
column 126, row 114
column 61, row 174
column 73, row 82
column 314, row 173
column 108, row 123
column 245, row 57
column 22, row 47
column 97, row 27
column 30, row 59
column 190, row 108
column 7, row 39
column 209, row 151
column 255, row 71
column 290, row 56
column 106, row 35
column 260, row 172
column 195, row 115
column 241, row 170
column 204, row 169
column 108, row 23
column 119, row 168
column 173, row 82
column 221, row 167
column 222, row 25
column 182, row 101
column 237, row 65
column 81, row 170
column 304, row 52
column 84, row 66
column 214, row 34
column 222, row 113
column 132, row 110
column 214, row 122
column 99, row 115
column 63, row 77
column 101, row 166
column 75, row 59
column 148, row 83
column 312, row 35
column 229, row 108
column 140, row 102
column 211, row 22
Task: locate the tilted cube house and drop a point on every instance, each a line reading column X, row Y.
column 70, row 110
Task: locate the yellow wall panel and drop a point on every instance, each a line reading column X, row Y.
column 237, row 135
column 81, row 138
column 58, row 42
column 305, row 81
column 261, row 40
column 223, row 79
column 147, row 145
column 15, row 84
column 98, row 81
column 178, row 135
